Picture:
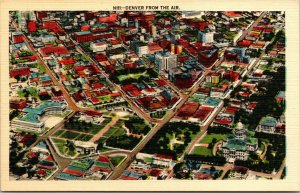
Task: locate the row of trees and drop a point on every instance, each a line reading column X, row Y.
column 124, row 141
column 218, row 129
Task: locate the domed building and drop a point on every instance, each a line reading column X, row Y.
column 239, row 144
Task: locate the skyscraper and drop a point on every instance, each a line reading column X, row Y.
column 165, row 61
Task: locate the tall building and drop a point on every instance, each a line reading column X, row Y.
column 153, row 30
column 206, row 37
column 208, row 57
column 140, row 48
column 165, row 61
column 23, row 17
column 240, row 52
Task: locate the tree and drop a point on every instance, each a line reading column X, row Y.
column 19, row 171
column 212, row 169
column 70, row 145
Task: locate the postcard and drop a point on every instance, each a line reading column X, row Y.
column 150, row 96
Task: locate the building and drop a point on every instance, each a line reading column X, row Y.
column 206, row 37
column 239, row 173
column 267, row 125
column 98, row 46
column 208, row 57
column 184, row 80
column 162, row 160
column 224, row 119
column 18, row 37
column 32, row 120
column 48, row 38
column 192, row 14
column 17, row 103
column 140, row 48
column 165, row 61
column 83, row 36
column 31, row 25
column 219, row 92
column 239, row 145
column 280, row 97
column 23, row 71
column 85, row 147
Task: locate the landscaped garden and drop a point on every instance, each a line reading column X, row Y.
column 65, row 147
column 172, row 139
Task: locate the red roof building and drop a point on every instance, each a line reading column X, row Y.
column 18, row 38
column 208, row 57
column 231, row 75
column 188, row 109
column 31, row 26
column 20, row 72
column 59, row 50
column 203, row 113
column 245, row 43
column 17, row 104
column 108, row 18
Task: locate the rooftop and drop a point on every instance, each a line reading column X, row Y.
column 80, row 33
column 268, row 121
column 236, row 144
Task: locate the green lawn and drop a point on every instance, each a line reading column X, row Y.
column 198, row 150
column 134, row 76
column 70, row 135
column 84, row 137
column 208, row 138
column 42, row 69
column 110, row 131
column 60, row 144
column 104, row 149
column 266, row 67
column 61, row 148
column 71, row 89
column 101, row 140
column 58, row 133
column 105, row 98
column 55, row 140
column 118, row 132
column 115, row 160
column 119, row 123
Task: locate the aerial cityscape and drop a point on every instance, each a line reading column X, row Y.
column 134, row 95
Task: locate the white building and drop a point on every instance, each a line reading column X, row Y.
column 98, row 46
column 48, row 38
column 239, row 145
column 162, row 160
column 206, row 37
column 85, row 147
column 165, row 61
column 32, row 121
column 267, row 125
column 192, row 14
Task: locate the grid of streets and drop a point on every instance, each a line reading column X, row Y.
column 166, row 95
